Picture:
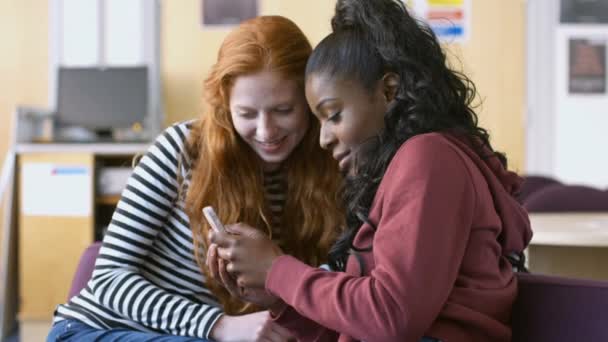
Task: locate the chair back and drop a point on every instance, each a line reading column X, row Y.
column 84, row 271
column 558, row 309
column 567, row 198
column 533, row 184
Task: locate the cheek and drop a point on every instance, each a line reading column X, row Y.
column 355, row 132
column 347, row 135
column 298, row 122
column 244, row 128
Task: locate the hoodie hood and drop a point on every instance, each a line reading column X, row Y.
column 503, row 184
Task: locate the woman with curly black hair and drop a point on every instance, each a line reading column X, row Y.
column 433, row 230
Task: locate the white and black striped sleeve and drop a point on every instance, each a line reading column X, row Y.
column 118, row 282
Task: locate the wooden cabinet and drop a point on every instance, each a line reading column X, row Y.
column 50, row 245
column 60, row 213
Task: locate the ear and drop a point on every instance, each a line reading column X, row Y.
column 390, row 86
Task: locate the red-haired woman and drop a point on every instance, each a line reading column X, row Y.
column 254, row 156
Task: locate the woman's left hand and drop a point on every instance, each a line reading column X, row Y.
column 247, row 252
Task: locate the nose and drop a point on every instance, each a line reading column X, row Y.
column 326, row 136
column 266, row 126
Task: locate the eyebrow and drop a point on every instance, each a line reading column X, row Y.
column 318, row 106
column 273, row 107
column 246, row 108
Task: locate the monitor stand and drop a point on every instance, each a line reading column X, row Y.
column 104, row 135
column 75, row 134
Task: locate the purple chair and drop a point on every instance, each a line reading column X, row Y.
column 533, row 184
column 84, row 269
column 567, row 198
column 556, row 309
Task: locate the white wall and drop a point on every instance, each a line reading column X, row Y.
column 581, row 122
column 567, row 134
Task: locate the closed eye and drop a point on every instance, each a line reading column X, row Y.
column 335, row 118
column 284, row 110
column 247, row 115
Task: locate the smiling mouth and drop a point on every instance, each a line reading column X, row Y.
column 271, row 145
column 343, row 160
column 270, row 142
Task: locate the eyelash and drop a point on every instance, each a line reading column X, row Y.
column 284, row 110
column 247, row 115
column 334, row 117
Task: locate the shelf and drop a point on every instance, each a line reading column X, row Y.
column 107, row 199
column 118, row 149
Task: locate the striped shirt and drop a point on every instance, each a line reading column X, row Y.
column 146, row 277
column 274, row 191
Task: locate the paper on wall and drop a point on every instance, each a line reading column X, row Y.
column 449, row 19
column 56, row 190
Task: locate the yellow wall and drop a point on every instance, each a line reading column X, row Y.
column 189, row 49
column 494, row 58
column 23, row 61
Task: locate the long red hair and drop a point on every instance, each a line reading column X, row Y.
column 226, row 173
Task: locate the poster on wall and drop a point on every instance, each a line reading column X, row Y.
column 584, row 11
column 587, row 66
column 449, row 19
column 227, row 12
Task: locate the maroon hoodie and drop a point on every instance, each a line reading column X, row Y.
column 446, row 220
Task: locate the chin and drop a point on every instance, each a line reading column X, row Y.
column 273, row 159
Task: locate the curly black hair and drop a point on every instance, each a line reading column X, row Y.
column 369, row 39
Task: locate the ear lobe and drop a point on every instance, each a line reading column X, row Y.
column 391, row 82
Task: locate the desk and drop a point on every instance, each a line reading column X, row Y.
column 570, row 244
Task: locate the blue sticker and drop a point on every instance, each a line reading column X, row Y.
column 448, row 31
column 66, row 170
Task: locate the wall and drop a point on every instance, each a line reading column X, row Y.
column 580, row 119
column 189, row 50
column 564, row 130
column 23, row 61
column 494, row 58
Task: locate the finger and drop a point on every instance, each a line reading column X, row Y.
column 212, row 261
column 243, row 229
column 231, row 269
column 274, row 335
column 243, row 279
column 227, row 280
column 220, row 238
column 281, row 331
column 266, row 338
column 264, row 333
column 270, row 335
column 226, row 253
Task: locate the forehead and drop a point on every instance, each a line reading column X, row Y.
column 322, row 85
column 264, row 87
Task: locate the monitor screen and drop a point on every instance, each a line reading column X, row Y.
column 102, row 98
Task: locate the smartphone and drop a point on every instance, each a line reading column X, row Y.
column 213, row 220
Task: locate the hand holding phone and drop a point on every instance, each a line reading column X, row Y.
column 213, row 220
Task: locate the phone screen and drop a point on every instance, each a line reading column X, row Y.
column 213, row 220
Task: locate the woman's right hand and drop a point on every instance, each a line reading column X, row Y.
column 249, row 328
column 217, row 270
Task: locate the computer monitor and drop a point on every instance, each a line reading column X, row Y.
column 102, row 99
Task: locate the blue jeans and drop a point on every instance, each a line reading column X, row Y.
column 72, row 330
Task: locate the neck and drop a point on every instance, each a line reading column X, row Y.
column 270, row 167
